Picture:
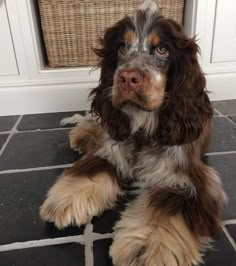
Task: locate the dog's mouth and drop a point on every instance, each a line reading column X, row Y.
column 144, row 90
column 139, row 100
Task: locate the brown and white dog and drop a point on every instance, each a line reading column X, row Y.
column 151, row 122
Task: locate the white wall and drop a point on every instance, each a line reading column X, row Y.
column 215, row 27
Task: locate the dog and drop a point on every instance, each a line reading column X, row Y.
column 150, row 123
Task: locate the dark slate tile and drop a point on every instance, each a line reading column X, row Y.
column 35, row 149
column 226, row 107
column 104, row 223
column 232, row 230
column 101, row 252
column 233, row 118
column 222, row 254
column 3, row 138
column 43, row 121
column 58, row 255
column 7, row 122
column 21, row 195
column 226, row 166
column 224, row 135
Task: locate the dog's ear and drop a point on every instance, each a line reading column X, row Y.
column 186, row 108
column 107, row 52
column 116, row 122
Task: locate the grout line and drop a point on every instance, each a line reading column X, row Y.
column 97, row 236
column 86, row 239
column 232, row 221
column 43, row 130
column 12, row 171
column 218, row 113
column 42, row 243
column 5, row 132
column 220, row 153
column 231, row 120
column 231, row 240
column 13, row 130
column 88, row 249
column 226, row 117
column 89, row 238
column 37, row 130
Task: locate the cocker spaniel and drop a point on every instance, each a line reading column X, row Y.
column 150, row 123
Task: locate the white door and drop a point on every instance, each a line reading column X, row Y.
column 224, row 42
column 8, row 64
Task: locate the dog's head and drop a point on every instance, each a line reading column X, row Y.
column 150, row 71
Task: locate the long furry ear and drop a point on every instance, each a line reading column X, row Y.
column 116, row 122
column 187, row 108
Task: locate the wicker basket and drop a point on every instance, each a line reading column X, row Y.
column 72, row 27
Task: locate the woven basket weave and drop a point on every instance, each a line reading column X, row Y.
column 72, row 27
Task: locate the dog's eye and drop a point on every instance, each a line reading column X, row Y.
column 122, row 47
column 162, row 51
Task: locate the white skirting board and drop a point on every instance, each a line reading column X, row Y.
column 44, row 99
column 74, row 97
column 222, row 86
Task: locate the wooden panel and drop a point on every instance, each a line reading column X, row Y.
column 224, row 42
column 8, row 65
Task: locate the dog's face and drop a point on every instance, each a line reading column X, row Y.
column 148, row 65
column 143, row 59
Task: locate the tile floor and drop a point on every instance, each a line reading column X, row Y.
column 33, row 151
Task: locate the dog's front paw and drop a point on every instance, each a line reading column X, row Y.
column 138, row 253
column 139, row 244
column 60, row 212
column 76, row 140
column 74, row 200
column 69, row 202
column 75, row 119
column 84, row 140
column 129, row 250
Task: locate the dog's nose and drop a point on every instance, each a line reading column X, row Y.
column 130, row 80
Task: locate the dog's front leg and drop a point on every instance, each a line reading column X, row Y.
column 84, row 191
column 146, row 236
column 88, row 134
